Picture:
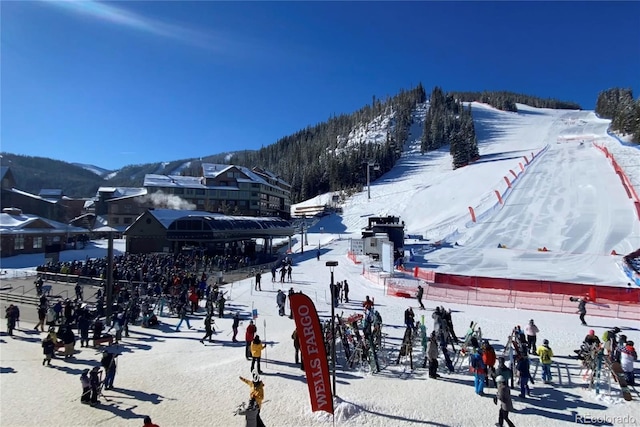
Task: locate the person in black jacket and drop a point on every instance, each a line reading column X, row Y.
column 95, row 381
column 48, row 347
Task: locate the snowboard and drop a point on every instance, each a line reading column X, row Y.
column 618, row 376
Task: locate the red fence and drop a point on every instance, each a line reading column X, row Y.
column 626, row 183
column 595, row 292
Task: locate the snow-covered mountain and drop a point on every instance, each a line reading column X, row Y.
column 95, row 169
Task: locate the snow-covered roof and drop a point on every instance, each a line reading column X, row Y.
column 143, row 192
column 211, row 170
column 50, row 192
column 167, row 216
column 154, row 180
column 119, row 192
column 13, row 224
column 31, row 195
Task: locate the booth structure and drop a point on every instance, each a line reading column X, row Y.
column 171, row 231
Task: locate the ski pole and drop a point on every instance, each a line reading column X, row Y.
column 264, row 323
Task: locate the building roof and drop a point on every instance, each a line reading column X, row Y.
column 167, row 216
column 50, row 192
column 33, row 196
column 118, row 192
column 33, row 224
column 154, row 180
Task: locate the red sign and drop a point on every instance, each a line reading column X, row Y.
column 316, row 365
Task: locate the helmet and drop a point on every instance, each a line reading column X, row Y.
column 500, row 379
column 256, row 377
column 545, row 342
column 592, row 332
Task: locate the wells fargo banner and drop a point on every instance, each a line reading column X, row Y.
column 313, row 352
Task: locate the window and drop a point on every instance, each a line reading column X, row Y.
column 223, row 193
column 37, row 242
column 116, row 220
column 200, row 192
column 178, row 191
column 114, row 208
column 127, row 208
column 127, row 220
column 18, row 242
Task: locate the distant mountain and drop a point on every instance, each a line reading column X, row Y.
column 101, row 172
column 329, row 156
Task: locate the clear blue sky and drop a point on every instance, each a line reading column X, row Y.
column 113, row 84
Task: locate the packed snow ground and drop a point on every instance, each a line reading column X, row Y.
column 178, row 381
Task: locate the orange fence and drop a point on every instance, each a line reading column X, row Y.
column 353, row 257
column 541, row 295
column 626, row 183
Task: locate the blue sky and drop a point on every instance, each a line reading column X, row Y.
column 113, row 84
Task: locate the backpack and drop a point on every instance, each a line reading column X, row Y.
column 475, row 362
column 605, row 336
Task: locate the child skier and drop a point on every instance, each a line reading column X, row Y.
column 256, row 394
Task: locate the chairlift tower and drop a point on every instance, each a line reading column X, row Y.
column 376, row 167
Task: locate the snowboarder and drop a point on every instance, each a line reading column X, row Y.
column 545, row 353
column 419, row 296
column 506, row 405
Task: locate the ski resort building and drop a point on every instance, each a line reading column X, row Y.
column 227, row 189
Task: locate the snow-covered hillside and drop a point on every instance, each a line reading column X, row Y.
column 95, row 169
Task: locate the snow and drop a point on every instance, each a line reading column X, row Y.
column 568, row 199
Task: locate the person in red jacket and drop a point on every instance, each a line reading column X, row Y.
column 148, row 423
column 249, row 334
column 489, row 359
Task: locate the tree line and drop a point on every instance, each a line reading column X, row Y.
column 618, row 105
column 448, row 122
column 506, row 101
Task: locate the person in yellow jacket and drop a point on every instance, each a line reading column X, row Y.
column 256, row 395
column 256, row 352
column 545, row 353
column 256, row 388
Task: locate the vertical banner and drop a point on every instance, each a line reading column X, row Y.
column 316, row 365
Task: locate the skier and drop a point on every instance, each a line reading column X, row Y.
column 183, row 317
column 249, row 334
column 503, row 370
column 108, row 362
column 489, row 359
column 291, row 292
column 504, row 397
column 258, row 286
column 234, row 327
column 478, row 369
column 86, row 387
column 545, row 353
column 582, row 308
column 256, row 352
column 419, row 296
column 256, row 393
column 221, row 302
column 531, row 330
column 42, row 315
column 208, row 328
column 273, row 273
column 409, row 317
column 628, row 356
column 250, row 413
column 523, row 367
